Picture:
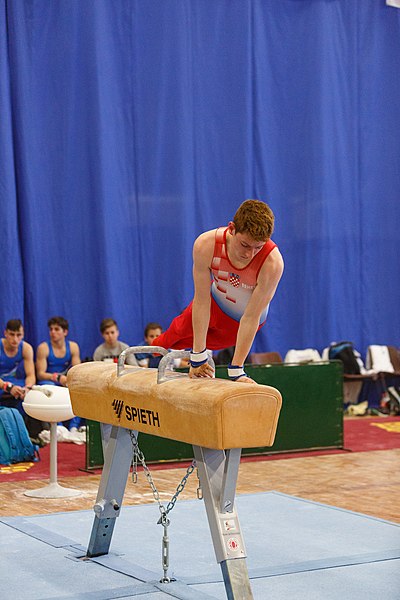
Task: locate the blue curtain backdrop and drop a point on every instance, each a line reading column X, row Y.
column 128, row 127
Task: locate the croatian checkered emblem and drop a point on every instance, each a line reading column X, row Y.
column 234, row 279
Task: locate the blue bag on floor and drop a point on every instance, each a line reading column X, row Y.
column 15, row 445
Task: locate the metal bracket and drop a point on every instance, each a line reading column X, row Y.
column 229, row 480
column 218, row 475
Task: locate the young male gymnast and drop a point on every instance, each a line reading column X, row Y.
column 17, row 368
column 236, row 271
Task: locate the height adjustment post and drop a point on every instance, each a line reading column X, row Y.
column 117, row 462
column 218, row 472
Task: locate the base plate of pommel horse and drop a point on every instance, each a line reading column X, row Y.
column 218, row 417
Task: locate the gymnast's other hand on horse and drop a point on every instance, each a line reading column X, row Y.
column 204, row 370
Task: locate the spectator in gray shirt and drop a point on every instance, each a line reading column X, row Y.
column 112, row 347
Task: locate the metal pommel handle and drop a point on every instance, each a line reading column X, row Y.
column 167, row 364
column 137, row 350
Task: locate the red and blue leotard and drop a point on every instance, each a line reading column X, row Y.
column 231, row 290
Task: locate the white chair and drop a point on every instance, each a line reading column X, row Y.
column 52, row 404
column 302, row 357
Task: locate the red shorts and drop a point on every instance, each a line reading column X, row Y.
column 222, row 330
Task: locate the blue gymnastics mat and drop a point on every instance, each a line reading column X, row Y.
column 295, row 549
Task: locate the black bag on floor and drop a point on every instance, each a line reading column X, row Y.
column 344, row 351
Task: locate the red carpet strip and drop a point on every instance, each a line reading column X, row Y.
column 361, row 434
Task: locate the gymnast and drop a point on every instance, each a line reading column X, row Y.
column 17, row 369
column 243, row 266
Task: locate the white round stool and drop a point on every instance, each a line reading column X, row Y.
column 50, row 403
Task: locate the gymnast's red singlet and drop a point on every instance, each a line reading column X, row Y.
column 231, row 289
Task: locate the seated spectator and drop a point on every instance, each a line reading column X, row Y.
column 17, row 369
column 152, row 330
column 56, row 356
column 112, row 347
column 109, row 352
column 224, row 357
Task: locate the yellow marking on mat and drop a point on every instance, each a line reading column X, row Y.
column 392, row 427
column 17, row 468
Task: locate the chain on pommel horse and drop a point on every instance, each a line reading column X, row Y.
column 218, row 417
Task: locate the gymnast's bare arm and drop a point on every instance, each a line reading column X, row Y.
column 75, row 360
column 42, row 354
column 29, row 365
column 267, row 282
column 202, row 256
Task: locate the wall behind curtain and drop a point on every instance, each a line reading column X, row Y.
column 128, row 127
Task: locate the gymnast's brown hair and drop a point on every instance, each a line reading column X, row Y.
column 256, row 219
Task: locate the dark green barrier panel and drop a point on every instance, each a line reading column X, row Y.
column 154, row 448
column 94, row 449
column 311, row 415
column 312, row 407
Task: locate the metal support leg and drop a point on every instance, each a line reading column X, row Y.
column 117, row 462
column 218, row 471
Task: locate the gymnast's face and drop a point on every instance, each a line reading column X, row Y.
column 13, row 338
column 152, row 334
column 110, row 335
column 57, row 333
column 242, row 248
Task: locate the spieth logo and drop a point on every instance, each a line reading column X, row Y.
column 118, row 405
column 145, row 416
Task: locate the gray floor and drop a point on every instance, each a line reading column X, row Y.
column 295, row 549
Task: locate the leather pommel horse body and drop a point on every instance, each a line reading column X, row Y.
column 218, row 417
column 214, row 413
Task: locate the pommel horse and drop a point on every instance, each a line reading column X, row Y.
column 218, row 417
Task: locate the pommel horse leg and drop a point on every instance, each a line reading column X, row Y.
column 118, row 459
column 218, row 472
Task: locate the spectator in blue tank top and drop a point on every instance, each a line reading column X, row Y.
column 17, row 369
column 56, row 356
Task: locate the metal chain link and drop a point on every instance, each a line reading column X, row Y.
column 163, row 520
column 181, row 486
column 138, row 455
column 134, row 464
